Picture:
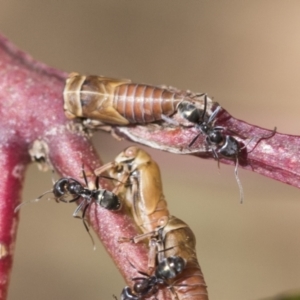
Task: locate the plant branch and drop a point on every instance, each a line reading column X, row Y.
column 263, row 151
column 31, row 106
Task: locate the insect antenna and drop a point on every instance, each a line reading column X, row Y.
column 264, row 137
column 32, row 200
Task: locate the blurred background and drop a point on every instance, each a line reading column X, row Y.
column 244, row 54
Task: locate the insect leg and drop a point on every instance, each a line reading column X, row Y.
column 153, row 246
column 169, row 120
column 72, row 200
column 194, row 139
column 83, row 219
column 97, row 182
column 78, row 208
column 84, row 176
column 104, row 168
column 238, row 180
column 205, row 106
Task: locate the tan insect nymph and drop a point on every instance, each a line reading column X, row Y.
column 117, row 101
column 140, row 185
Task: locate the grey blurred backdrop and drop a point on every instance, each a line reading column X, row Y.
column 245, row 54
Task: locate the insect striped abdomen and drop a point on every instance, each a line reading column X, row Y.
column 140, row 103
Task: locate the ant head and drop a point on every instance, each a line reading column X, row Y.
column 142, row 285
column 127, row 294
column 61, row 187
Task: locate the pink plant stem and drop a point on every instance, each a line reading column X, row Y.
column 31, row 108
column 12, row 166
column 263, row 151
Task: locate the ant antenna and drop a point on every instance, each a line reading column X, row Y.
column 32, row 201
column 264, row 137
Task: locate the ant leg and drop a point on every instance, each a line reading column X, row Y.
column 138, row 271
column 216, row 156
column 97, row 182
column 214, row 114
column 205, row 106
column 79, row 207
column 238, row 180
column 86, row 225
column 84, row 176
column 72, row 200
column 194, row 139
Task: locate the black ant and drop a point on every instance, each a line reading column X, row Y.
column 219, row 143
column 68, row 186
column 147, row 286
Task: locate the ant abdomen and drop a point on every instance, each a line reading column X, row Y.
column 170, row 267
column 107, row 199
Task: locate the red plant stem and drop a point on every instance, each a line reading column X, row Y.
column 276, row 155
column 12, row 166
column 31, row 108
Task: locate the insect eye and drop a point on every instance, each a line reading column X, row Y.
column 131, row 152
column 119, row 168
